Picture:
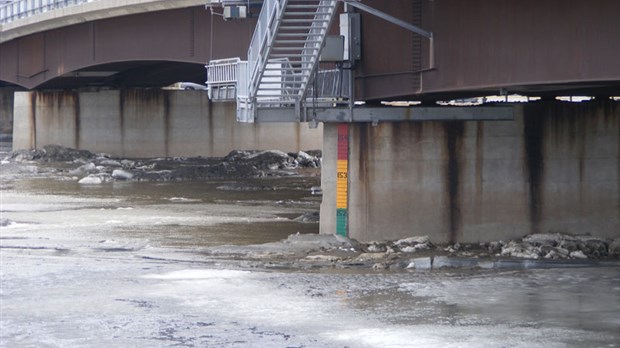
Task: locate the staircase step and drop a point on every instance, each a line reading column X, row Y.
column 280, row 88
column 309, row 13
column 296, row 35
column 274, row 96
column 278, row 55
column 308, row 6
column 286, row 69
column 293, row 48
column 291, row 20
column 293, row 62
column 286, row 42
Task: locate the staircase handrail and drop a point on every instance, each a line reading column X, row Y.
column 308, row 63
column 258, row 46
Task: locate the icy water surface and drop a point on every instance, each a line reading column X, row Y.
column 119, row 265
column 181, row 214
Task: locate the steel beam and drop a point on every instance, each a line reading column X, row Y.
column 391, row 114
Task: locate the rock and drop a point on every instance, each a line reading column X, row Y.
column 380, row 266
column 421, row 263
column 128, row 164
column 316, row 190
column 62, row 154
column 5, row 222
column 413, row 249
column 365, row 257
column 322, row 258
column 614, row 248
column 319, row 241
column 120, row 174
column 377, row 247
column 453, row 248
column 569, row 244
column 102, row 156
column 51, row 153
column 110, row 163
column 237, row 155
column 441, row 262
column 578, row 255
column 84, row 169
column 310, row 217
column 495, row 247
column 91, row 180
column 593, row 247
column 543, row 239
column 516, row 249
column 399, row 265
column 413, row 244
column 555, row 255
column 304, row 159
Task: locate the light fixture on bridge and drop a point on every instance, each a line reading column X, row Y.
column 235, row 12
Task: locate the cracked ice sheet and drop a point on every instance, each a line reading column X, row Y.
column 251, row 297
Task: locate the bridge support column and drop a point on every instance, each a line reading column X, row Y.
column 147, row 123
column 554, row 168
column 6, row 111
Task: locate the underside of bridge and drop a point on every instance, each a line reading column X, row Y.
column 478, row 48
column 152, row 49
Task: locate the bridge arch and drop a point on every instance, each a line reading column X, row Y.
column 144, row 49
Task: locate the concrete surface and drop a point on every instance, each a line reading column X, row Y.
column 147, row 123
column 555, row 168
column 6, row 110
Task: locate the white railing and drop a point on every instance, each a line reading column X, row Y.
column 222, row 72
column 226, row 79
column 25, row 8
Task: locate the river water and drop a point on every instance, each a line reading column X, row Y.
column 120, row 265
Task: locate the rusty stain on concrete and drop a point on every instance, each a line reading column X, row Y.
column 533, row 132
column 453, row 142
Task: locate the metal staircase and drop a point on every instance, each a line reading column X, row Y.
column 284, row 54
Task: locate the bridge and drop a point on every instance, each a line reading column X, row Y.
column 455, row 173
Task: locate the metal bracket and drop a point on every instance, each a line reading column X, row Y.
column 373, row 11
column 413, row 28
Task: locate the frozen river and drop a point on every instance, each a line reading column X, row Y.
column 119, row 265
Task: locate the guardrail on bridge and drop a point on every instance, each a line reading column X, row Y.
column 25, row 8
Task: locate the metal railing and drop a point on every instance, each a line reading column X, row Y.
column 332, row 84
column 226, row 79
column 222, row 72
column 25, row 8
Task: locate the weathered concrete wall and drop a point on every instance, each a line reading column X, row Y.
column 6, row 110
column 555, row 168
column 147, row 123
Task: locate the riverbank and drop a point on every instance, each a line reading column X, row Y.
column 308, row 252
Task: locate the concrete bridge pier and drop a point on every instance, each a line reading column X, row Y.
column 6, row 111
column 554, row 168
column 147, row 123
